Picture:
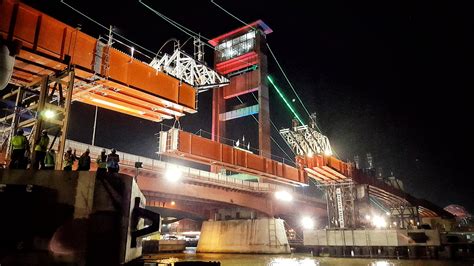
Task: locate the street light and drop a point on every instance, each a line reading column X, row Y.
column 307, row 222
column 283, row 196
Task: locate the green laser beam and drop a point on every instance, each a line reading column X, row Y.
column 285, row 100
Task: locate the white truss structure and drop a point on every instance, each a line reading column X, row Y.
column 306, row 141
column 184, row 67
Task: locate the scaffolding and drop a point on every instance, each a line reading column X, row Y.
column 41, row 105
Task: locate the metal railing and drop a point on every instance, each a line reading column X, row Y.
column 151, row 165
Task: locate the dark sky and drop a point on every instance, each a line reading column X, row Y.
column 391, row 79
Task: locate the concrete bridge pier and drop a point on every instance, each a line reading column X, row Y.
column 261, row 235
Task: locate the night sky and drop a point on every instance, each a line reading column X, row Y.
column 391, row 79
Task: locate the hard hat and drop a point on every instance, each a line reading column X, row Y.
column 114, row 150
column 103, row 150
column 44, row 131
column 20, row 131
column 69, row 149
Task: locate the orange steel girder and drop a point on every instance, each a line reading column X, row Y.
column 127, row 85
column 191, row 147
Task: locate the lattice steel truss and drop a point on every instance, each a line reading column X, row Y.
column 403, row 215
column 341, row 199
column 305, row 140
column 184, row 67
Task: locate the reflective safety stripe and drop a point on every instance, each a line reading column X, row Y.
column 49, row 159
column 42, row 144
column 19, row 142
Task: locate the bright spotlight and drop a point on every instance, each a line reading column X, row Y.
column 328, row 152
column 307, row 222
column 48, row 114
column 310, row 154
column 283, row 196
column 367, row 217
column 173, row 174
column 379, row 222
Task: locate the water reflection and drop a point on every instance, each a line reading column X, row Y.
column 298, row 259
column 293, row 262
column 382, row 263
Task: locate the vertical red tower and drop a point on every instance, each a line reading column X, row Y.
column 241, row 55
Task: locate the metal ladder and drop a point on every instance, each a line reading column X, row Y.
column 272, row 234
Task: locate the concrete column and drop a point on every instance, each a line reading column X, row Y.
column 264, row 235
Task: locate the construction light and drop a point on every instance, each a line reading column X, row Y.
column 283, row 196
column 367, row 217
column 48, row 114
column 379, row 222
column 173, row 174
column 310, row 154
column 307, row 222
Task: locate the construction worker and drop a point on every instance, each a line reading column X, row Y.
column 19, row 146
column 40, row 150
column 49, row 160
column 101, row 163
column 69, row 158
column 84, row 163
column 113, row 162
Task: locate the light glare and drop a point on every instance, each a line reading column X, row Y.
column 48, row 114
column 173, row 174
column 283, row 196
column 307, row 222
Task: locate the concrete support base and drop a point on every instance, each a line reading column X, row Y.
column 264, row 235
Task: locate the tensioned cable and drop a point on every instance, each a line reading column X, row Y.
column 279, row 66
column 274, row 57
column 273, row 124
column 230, row 14
column 256, row 120
column 115, row 33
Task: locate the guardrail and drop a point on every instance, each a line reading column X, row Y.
column 128, row 160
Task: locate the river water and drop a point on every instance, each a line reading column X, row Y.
column 297, row 260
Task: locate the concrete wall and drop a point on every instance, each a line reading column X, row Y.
column 375, row 237
column 73, row 213
column 264, row 235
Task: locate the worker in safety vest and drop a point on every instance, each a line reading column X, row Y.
column 84, row 163
column 19, row 145
column 49, row 160
column 69, row 158
column 40, row 150
column 101, row 163
column 113, row 162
